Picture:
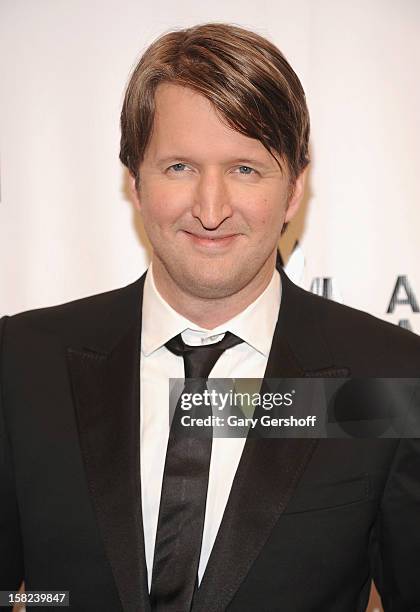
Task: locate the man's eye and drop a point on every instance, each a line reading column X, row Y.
column 246, row 170
column 177, row 167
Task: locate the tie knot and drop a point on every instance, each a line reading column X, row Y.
column 200, row 360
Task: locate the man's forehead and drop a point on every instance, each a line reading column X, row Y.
column 187, row 124
column 183, row 111
column 167, row 94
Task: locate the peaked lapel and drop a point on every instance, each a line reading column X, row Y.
column 269, row 469
column 105, row 380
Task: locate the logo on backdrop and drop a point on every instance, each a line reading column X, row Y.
column 403, row 294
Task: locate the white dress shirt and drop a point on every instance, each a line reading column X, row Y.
column 160, row 322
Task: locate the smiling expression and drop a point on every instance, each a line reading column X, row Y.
column 213, row 201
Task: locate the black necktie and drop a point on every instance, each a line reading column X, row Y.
column 184, row 490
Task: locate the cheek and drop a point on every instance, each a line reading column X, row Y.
column 163, row 206
column 265, row 215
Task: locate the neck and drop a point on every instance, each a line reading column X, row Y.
column 210, row 313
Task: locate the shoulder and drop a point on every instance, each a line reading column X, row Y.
column 366, row 344
column 77, row 319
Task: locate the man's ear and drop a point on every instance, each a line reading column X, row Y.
column 134, row 191
column 296, row 196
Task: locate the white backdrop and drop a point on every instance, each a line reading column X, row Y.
column 67, row 229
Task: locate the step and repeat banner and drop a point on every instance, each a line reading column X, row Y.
column 67, row 226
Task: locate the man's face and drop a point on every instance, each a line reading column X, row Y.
column 213, row 201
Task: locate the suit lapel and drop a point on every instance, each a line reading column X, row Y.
column 269, row 469
column 105, row 383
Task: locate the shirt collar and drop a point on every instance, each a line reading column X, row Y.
column 254, row 325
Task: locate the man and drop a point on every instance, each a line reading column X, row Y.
column 215, row 135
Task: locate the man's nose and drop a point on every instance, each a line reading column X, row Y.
column 211, row 200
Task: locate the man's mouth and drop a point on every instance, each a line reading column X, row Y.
column 209, row 241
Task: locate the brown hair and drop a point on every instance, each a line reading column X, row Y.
column 247, row 79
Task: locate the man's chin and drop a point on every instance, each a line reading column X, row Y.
column 212, row 287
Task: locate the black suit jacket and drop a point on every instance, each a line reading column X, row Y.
column 308, row 522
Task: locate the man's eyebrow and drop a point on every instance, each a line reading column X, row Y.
column 249, row 161
column 172, row 158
